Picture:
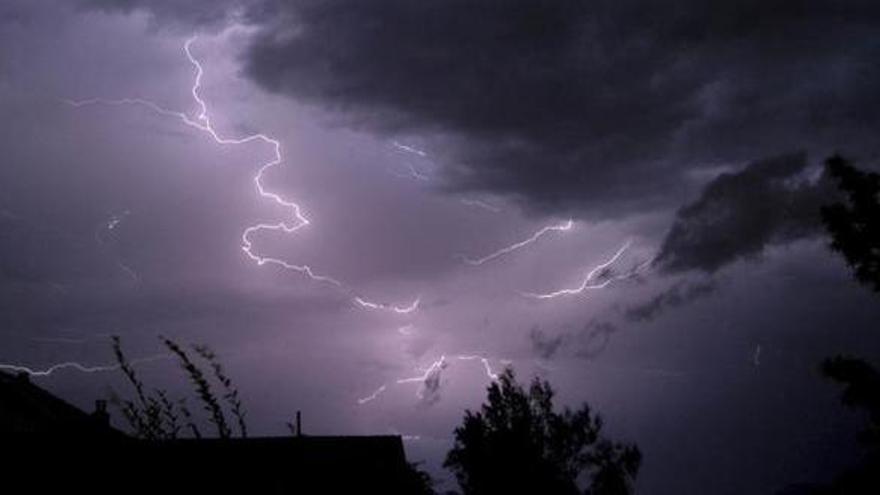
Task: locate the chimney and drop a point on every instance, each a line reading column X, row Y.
column 101, row 417
column 299, row 430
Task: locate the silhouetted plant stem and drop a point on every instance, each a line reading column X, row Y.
column 230, row 393
column 203, row 388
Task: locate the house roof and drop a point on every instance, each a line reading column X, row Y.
column 26, row 408
column 76, row 454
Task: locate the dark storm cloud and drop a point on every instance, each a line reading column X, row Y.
column 738, row 215
column 572, row 105
column 174, row 12
column 545, row 346
column 675, row 296
column 586, row 343
column 593, row 338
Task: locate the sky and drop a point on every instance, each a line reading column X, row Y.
column 619, row 197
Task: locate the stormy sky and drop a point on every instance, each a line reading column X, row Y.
column 438, row 150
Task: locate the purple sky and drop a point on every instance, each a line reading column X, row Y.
column 117, row 220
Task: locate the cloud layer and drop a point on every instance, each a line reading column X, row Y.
column 588, row 107
column 739, row 214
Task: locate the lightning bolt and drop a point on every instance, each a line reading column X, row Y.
column 408, row 149
column 432, row 371
column 295, row 218
column 401, row 310
column 489, row 373
column 75, row 366
column 437, row 365
column 563, row 227
column 589, row 281
column 477, row 203
column 411, row 171
column 372, row 396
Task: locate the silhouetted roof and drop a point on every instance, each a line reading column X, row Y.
column 78, row 452
column 28, row 409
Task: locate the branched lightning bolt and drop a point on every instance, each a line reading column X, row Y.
column 563, row 227
column 589, row 281
column 296, row 219
column 436, row 366
column 432, row 371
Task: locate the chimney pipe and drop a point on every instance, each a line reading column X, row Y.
column 101, row 416
column 299, row 430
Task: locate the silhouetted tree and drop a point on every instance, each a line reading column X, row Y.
column 861, row 391
column 854, row 227
column 517, row 443
column 416, row 481
column 854, row 224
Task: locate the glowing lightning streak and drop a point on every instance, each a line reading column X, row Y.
column 435, row 368
column 492, row 375
column 293, row 208
column 401, row 310
column 437, row 365
column 408, row 149
column 202, row 122
column 76, row 366
column 480, row 204
column 372, row 396
column 587, row 283
column 563, row 227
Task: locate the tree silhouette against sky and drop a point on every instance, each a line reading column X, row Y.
column 854, row 226
column 517, row 443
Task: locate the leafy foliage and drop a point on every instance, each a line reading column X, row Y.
column 861, row 383
column 517, row 443
column 854, row 225
column 416, row 481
